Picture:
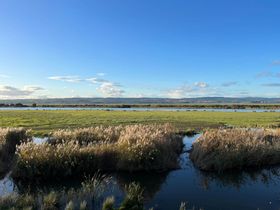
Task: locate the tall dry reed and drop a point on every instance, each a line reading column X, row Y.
column 132, row 148
column 84, row 136
column 85, row 197
column 9, row 138
column 223, row 149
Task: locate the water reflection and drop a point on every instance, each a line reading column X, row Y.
column 174, row 109
column 250, row 189
column 268, row 177
column 39, row 140
column 7, row 186
column 150, row 182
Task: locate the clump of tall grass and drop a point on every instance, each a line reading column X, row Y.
column 133, row 200
column 73, row 200
column 146, row 147
column 84, row 198
column 9, row 138
column 223, row 149
column 45, row 161
column 136, row 147
column 84, row 136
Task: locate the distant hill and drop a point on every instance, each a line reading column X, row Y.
column 93, row 101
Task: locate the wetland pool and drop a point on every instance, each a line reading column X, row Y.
column 252, row 189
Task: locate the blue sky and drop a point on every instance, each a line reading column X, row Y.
column 144, row 48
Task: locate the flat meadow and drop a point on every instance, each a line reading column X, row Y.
column 95, row 144
column 43, row 122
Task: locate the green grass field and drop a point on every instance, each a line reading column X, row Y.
column 42, row 122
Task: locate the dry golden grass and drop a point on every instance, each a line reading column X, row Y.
column 149, row 147
column 9, row 138
column 223, row 149
column 84, row 136
column 132, row 148
column 85, row 197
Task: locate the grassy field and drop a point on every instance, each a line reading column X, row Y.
column 42, row 122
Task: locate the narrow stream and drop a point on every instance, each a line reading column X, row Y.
column 256, row 189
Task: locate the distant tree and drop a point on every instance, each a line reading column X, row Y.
column 34, row 105
column 19, row 105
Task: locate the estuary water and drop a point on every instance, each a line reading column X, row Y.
column 140, row 109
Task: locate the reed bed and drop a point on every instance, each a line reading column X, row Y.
column 9, row 138
column 237, row 148
column 81, row 151
column 85, row 197
column 133, row 200
column 84, row 136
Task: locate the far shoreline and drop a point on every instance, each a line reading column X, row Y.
column 236, row 106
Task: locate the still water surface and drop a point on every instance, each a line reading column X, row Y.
column 139, row 109
column 256, row 189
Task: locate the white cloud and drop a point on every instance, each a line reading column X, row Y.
column 105, row 87
column 110, row 89
column 201, row 84
column 175, row 93
column 66, row 78
column 96, row 80
column 264, row 74
column 179, row 92
column 4, row 76
column 13, row 92
column 276, row 62
column 271, row 84
column 198, row 89
column 32, row 88
column 101, row 74
column 79, row 79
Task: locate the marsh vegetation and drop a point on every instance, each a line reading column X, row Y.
column 84, row 197
column 84, row 151
column 89, row 196
column 9, row 138
column 151, row 150
column 225, row 149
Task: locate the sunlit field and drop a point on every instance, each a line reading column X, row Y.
column 43, row 122
column 236, row 149
column 127, row 145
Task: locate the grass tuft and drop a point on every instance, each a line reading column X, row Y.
column 224, row 149
column 134, row 198
column 88, row 193
column 138, row 147
column 108, row 204
column 9, row 138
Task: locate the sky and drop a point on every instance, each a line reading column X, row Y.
column 139, row 48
